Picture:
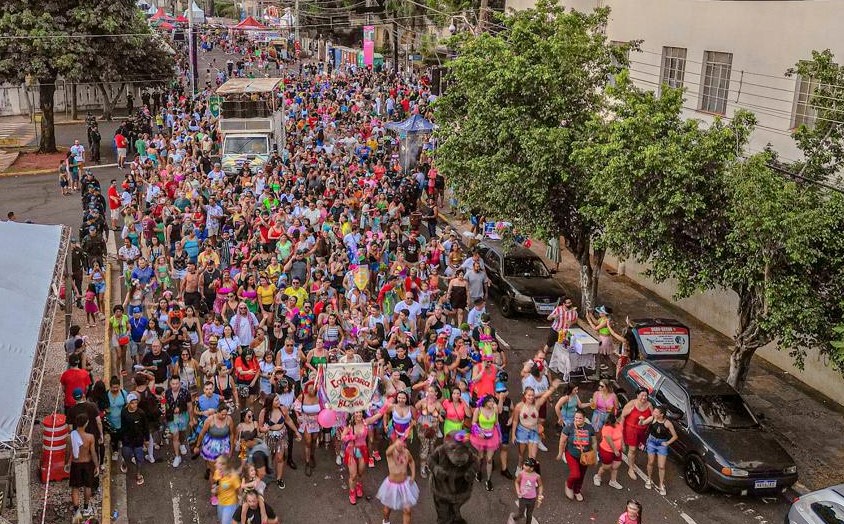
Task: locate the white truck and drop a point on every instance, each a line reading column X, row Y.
column 251, row 122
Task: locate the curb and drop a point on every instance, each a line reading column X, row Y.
column 44, row 171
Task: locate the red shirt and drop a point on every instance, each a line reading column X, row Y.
column 120, row 141
column 71, row 379
column 113, row 198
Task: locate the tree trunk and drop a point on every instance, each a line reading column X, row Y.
column 117, row 96
column 106, row 96
column 598, row 261
column 74, row 109
column 589, row 271
column 749, row 338
column 46, row 94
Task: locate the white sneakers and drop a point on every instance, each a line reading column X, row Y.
column 596, row 479
column 177, row 461
column 541, row 446
column 183, row 449
column 614, row 484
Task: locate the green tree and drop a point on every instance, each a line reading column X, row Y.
column 683, row 199
column 822, row 142
column 47, row 39
column 134, row 57
column 517, row 103
column 34, row 51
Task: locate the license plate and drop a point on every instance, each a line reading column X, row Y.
column 765, row 484
column 545, row 308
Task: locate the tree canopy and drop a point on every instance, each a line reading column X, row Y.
column 48, row 39
column 517, row 103
column 689, row 202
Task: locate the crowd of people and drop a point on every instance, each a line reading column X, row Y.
column 239, row 287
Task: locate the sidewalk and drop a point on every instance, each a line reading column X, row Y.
column 807, row 424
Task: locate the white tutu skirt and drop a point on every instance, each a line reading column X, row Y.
column 398, row 495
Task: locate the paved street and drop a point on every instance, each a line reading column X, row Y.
column 181, row 496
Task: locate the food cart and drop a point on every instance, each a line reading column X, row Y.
column 647, row 339
column 574, row 353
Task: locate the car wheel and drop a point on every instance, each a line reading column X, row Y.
column 507, row 306
column 695, row 474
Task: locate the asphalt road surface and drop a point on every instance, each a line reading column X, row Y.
column 181, row 496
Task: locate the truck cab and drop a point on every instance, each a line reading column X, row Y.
column 251, row 122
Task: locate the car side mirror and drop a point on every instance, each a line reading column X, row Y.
column 673, row 415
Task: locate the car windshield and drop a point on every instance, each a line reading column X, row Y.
column 525, row 267
column 252, row 145
column 721, row 411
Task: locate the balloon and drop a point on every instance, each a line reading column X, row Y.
column 361, row 277
column 327, row 418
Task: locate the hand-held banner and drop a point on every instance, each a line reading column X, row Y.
column 349, row 387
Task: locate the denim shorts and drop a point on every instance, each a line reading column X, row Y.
column 655, row 447
column 526, row 436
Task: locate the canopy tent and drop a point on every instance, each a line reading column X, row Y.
column 162, row 16
column 33, row 263
column 412, row 133
column 250, row 24
column 196, row 13
column 182, row 19
column 30, row 276
column 167, row 26
column 287, row 20
column 414, row 124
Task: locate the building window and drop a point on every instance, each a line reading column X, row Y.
column 673, row 66
column 804, row 112
column 715, row 87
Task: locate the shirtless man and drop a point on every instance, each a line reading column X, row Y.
column 399, row 491
column 82, row 464
column 190, row 287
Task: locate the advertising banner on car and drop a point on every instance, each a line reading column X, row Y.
column 663, row 341
column 349, row 387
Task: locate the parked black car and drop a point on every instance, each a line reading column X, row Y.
column 721, row 443
column 521, row 280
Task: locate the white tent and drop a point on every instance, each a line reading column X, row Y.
column 287, row 20
column 196, row 14
column 31, row 269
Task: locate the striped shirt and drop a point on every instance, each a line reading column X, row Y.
column 563, row 318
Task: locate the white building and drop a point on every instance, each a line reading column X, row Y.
column 727, row 54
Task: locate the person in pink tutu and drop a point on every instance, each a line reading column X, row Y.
column 399, row 491
column 486, row 434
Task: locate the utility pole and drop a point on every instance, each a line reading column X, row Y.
column 192, row 51
column 395, row 47
column 296, row 15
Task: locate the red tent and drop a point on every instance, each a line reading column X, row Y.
column 182, row 19
column 167, row 26
column 161, row 15
column 250, row 24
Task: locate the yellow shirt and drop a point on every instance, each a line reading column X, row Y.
column 274, row 271
column 205, row 256
column 266, row 294
column 227, row 488
column 300, row 294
